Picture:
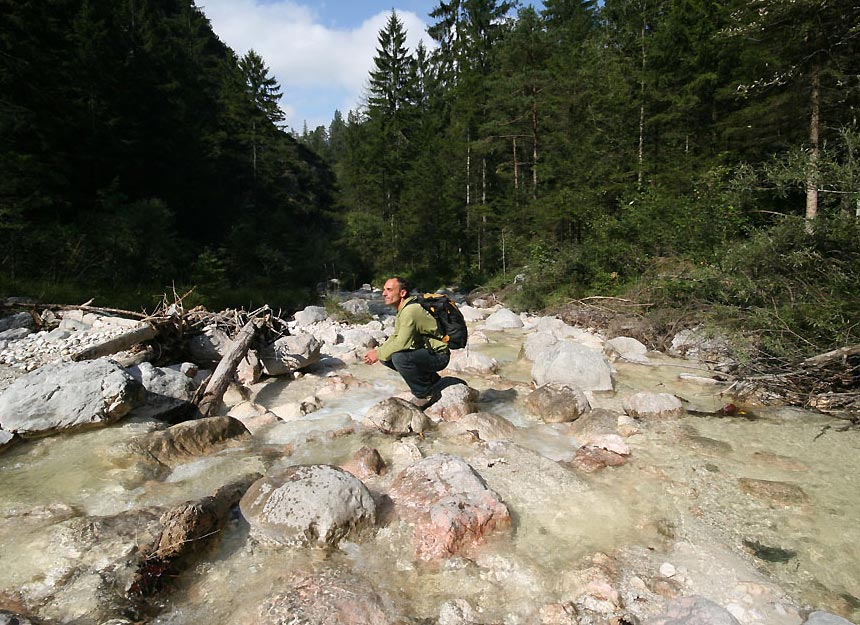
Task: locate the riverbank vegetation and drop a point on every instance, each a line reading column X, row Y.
column 690, row 156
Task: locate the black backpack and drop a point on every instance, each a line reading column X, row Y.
column 448, row 317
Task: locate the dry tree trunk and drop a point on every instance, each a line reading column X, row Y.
column 118, row 343
column 223, row 373
column 832, row 356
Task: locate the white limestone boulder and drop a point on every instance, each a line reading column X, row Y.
column 357, row 338
column 68, row 396
column 311, row 314
column 470, row 313
column 208, row 347
column 355, row 306
column 536, row 343
column 17, row 321
column 554, row 326
column 626, row 348
column 574, row 365
column 290, row 353
column 166, row 389
column 645, row 405
column 503, row 319
column 308, row 505
column 463, row 360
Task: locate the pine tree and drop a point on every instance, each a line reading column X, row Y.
column 263, row 92
column 391, row 115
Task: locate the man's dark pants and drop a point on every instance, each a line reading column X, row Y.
column 418, row 368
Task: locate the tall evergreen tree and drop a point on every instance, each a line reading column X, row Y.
column 391, row 114
column 263, row 93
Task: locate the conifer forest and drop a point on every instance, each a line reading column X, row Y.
column 686, row 152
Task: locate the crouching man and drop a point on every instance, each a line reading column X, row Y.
column 416, row 349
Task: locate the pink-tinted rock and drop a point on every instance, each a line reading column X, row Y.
column 250, row 369
column 609, row 442
column 365, row 463
column 590, row 459
column 449, row 504
column 558, row 614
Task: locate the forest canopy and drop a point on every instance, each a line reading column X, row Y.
column 139, row 153
column 693, row 152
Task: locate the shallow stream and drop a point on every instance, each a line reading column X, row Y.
column 683, row 499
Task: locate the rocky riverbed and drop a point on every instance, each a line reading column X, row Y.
column 565, row 477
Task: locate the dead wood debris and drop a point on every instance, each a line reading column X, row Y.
column 161, row 336
column 828, row 382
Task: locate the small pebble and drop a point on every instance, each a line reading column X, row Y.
column 667, row 570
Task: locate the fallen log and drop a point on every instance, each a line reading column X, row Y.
column 223, row 373
column 26, row 302
column 129, row 358
column 832, row 356
column 118, row 343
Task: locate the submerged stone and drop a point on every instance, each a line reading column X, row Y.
column 771, row 491
column 768, row 553
column 330, row 597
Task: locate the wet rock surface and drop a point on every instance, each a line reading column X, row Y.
column 449, row 504
column 68, row 396
column 329, row 597
column 781, row 493
column 557, row 403
column 191, row 439
column 308, row 504
column 397, row 416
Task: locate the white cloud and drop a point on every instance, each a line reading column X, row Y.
column 303, row 55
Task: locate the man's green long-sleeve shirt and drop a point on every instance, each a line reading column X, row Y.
column 414, row 328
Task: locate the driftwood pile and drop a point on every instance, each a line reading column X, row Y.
column 828, row 382
column 161, row 337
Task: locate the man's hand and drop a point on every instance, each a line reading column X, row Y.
column 371, row 357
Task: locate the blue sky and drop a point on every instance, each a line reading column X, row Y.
column 320, row 52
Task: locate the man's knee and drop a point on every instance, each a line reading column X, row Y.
column 400, row 360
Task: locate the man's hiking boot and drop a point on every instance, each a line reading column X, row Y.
column 425, row 402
